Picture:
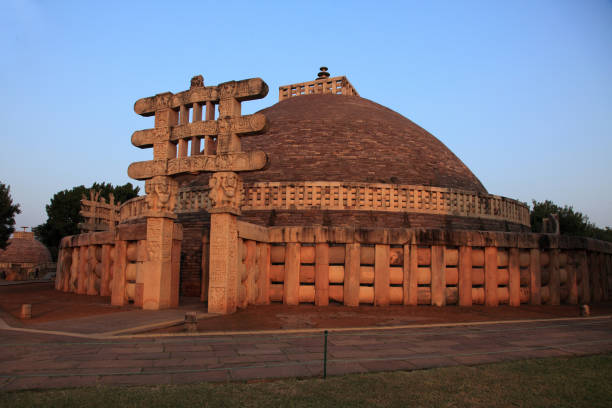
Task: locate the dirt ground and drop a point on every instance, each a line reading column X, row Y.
column 278, row 316
column 51, row 305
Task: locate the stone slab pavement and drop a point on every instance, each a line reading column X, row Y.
column 30, row 360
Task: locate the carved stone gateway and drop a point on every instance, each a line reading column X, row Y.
column 221, row 155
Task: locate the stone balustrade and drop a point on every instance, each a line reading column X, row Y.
column 133, row 209
column 192, row 199
column 338, row 85
column 98, row 214
column 352, row 196
column 380, row 267
column 382, row 197
column 112, row 263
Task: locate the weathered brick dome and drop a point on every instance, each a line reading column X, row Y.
column 340, row 160
column 328, row 137
column 24, row 248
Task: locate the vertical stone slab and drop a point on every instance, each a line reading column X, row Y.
column 205, row 265
column 438, row 276
column 59, row 270
column 411, row 266
column 514, row 277
column 352, row 264
column 555, row 278
column 252, row 272
column 209, row 147
column 158, row 269
column 572, row 283
column 165, row 149
column 105, row 289
column 608, row 276
column 491, row 276
column 62, row 269
column 535, row 277
column 83, row 260
column 175, row 278
column 465, row 276
column 241, row 301
column 381, row 275
column 91, row 267
column 118, row 297
column 67, row 262
column 68, row 270
column 195, row 141
column 263, row 281
column 291, row 292
column 224, row 279
column 322, row 274
column 603, row 273
column 74, row 271
column 583, row 270
column 596, row 276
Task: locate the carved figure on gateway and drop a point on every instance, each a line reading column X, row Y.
column 161, row 196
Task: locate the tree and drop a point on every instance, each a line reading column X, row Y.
column 571, row 222
column 8, row 210
column 63, row 211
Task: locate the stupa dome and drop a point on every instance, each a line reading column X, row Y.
column 347, row 138
column 24, row 248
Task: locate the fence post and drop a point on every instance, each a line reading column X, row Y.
column 325, row 355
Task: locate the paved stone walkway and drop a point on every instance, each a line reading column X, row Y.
column 36, row 360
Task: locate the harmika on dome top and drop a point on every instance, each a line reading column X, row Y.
column 24, row 248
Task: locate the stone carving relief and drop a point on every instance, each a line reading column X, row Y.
column 197, row 82
column 225, row 193
column 161, row 194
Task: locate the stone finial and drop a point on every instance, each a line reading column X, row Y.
column 197, row 82
column 323, row 74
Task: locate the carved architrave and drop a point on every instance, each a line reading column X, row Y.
column 241, row 125
column 240, row 161
column 161, row 196
column 225, row 193
column 245, row 90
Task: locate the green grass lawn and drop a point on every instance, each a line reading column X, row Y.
column 554, row 382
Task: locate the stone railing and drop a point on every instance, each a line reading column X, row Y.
column 132, row 209
column 337, row 85
column 413, row 267
column 99, row 215
column 353, row 196
column 381, row 197
column 192, row 199
column 111, row 263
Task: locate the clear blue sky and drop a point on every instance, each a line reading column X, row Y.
column 521, row 91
